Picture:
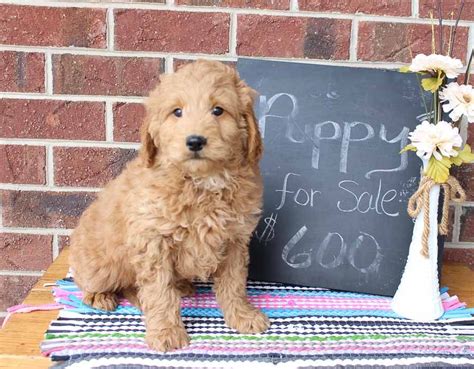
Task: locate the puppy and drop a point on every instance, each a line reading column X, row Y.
column 184, row 209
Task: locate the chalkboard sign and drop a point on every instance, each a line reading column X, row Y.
column 335, row 186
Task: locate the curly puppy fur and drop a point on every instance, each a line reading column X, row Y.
column 174, row 215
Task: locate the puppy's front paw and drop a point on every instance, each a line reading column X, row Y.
column 167, row 339
column 250, row 320
column 102, row 301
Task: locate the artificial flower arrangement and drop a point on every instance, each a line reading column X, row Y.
column 437, row 141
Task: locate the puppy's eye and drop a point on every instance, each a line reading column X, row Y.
column 217, row 111
column 178, row 112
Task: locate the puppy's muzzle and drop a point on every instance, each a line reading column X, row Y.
column 196, row 143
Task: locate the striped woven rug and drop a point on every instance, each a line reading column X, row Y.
column 310, row 328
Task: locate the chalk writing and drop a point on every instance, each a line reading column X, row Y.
column 365, row 202
column 268, row 233
column 305, row 257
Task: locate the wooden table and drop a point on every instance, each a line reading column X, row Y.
column 20, row 339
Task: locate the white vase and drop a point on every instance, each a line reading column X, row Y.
column 418, row 296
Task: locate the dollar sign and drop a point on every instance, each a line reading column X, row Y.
column 269, row 231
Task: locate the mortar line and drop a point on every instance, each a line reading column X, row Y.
column 83, row 98
column 109, row 122
column 459, row 245
column 69, row 143
column 48, row 73
column 49, row 166
column 354, row 40
column 19, row 273
column 169, row 64
column 294, row 6
column 110, row 21
column 37, row 231
column 40, row 188
column 55, row 246
column 233, row 35
column 415, row 8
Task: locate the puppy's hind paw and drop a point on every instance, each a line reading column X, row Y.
column 102, row 301
column 167, row 339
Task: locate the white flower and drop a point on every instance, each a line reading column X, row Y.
column 435, row 139
column 434, row 62
column 459, row 100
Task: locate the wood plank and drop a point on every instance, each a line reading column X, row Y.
column 24, row 362
column 20, row 339
column 460, row 280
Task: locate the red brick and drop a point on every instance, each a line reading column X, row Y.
column 48, row 26
column 22, row 164
column 21, row 72
column 44, row 209
column 52, row 119
column 465, row 256
column 379, row 7
column 88, row 166
column 470, row 130
column 101, row 75
column 466, row 233
column 13, row 289
column 257, row 4
column 172, row 31
column 448, row 6
column 315, row 38
column 25, row 251
column 465, row 176
column 383, row 41
column 128, row 117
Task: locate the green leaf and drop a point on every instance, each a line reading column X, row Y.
column 456, row 160
column 465, row 155
column 438, row 170
column 405, row 69
column 408, row 148
column 431, row 84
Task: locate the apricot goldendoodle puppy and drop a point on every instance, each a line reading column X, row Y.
column 185, row 208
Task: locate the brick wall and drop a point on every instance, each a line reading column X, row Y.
column 73, row 75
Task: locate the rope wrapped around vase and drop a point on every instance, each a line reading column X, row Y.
column 421, row 199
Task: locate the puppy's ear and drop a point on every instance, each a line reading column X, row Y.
column 148, row 149
column 254, row 140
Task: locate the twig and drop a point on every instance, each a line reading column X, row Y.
column 456, row 27
column 433, row 42
column 440, row 18
column 450, row 34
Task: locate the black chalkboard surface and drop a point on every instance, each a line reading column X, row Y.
column 335, row 186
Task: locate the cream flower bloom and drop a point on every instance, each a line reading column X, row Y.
column 434, row 62
column 435, row 139
column 459, row 100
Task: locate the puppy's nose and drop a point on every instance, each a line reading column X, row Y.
column 195, row 143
